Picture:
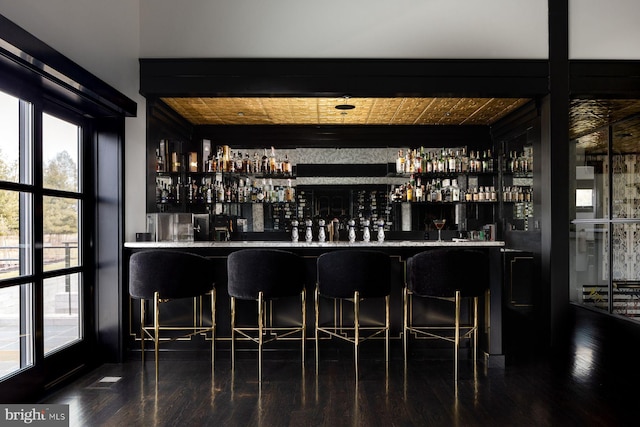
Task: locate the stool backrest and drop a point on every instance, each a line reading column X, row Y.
column 275, row 272
column 172, row 274
column 440, row 272
column 342, row 272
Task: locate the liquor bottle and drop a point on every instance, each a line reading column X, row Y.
column 159, row 162
column 171, row 197
column 261, row 192
column 219, row 159
column 226, row 158
column 455, row 191
column 286, row 165
column 288, row 192
column 419, row 190
column 264, row 167
column 400, row 163
column 464, row 159
column 428, row 163
column 451, row 162
column 256, row 163
column 219, row 192
column 272, row 162
column 210, row 163
column 164, row 194
column 240, row 163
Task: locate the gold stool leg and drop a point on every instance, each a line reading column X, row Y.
column 233, row 333
column 260, row 329
column 457, row 335
column 317, row 316
column 303, row 297
column 386, row 327
column 142, row 334
column 156, row 328
column 213, row 328
column 405, row 316
column 356, row 318
column 475, row 328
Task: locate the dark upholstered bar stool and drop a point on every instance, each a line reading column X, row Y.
column 353, row 275
column 263, row 275
column 162, row 276
column 451, row 275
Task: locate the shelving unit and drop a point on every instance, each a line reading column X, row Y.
column 472, row 192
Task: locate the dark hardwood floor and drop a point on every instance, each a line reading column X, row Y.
column 592, row 381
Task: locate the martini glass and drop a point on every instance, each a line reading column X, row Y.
column 439, row 223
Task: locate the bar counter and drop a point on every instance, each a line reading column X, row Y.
column 399, row 250
column 313, row 245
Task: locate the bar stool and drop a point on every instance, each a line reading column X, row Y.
column 263, row 275
column 162, row 276
column 353, row 275
column 450, row 275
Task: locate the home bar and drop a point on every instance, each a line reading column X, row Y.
column 230, row 173
column 270, row 213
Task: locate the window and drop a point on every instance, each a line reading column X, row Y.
column 54, row 236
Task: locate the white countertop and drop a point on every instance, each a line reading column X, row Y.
column 303, row 244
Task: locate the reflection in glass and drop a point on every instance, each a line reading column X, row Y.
column 15, row 234
column 605, row 244
column 60, row 220
column 590, row 273
column 589, row 241
column 60, row 146
column 9, row 137
column 61, row 302
column 16, row 329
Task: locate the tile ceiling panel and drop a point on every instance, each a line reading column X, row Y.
column 587, row 116
column 322, row 111
column 589, row 119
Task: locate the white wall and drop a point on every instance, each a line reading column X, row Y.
column 344, row 29
column 102, row 37
column 604, row 29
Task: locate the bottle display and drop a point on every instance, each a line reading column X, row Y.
column 467, row 186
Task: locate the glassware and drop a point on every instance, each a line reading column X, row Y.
column 439, row 223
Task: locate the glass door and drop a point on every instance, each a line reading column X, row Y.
column 625, row 218
column 605, row 245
